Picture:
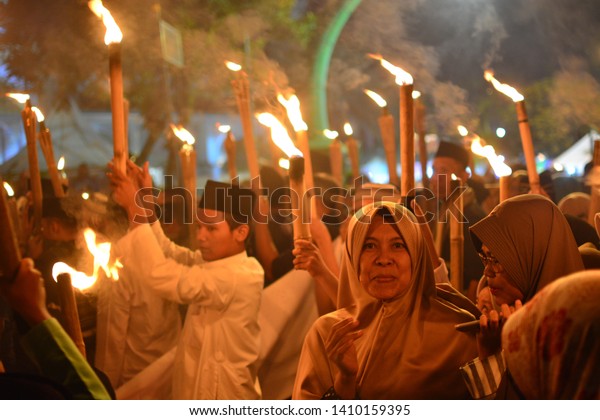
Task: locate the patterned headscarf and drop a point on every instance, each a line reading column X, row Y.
column 552, row 344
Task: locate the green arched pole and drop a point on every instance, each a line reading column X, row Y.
column 319, row 115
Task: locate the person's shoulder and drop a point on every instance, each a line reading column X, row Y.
column 325, row 322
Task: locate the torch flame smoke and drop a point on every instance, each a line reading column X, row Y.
column 497, row 162
column 113, row 33
column 9, row 191
column 19, row 97
column 38, row 113
column 182, row 134
column 233, row 66
column 402, row 76
column 279, row 134
column 376, row 97
column 101, row 254
column 509, row 91
column 292, row 106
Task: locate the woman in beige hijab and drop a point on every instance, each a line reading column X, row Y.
column 396, row 338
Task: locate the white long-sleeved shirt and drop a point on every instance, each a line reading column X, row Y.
column 135, row 326
column 217, row 354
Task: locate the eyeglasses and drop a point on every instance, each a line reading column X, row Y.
column 488, row 259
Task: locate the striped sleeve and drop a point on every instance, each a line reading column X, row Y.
column 483, row 376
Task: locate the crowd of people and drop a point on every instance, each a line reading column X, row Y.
column 388, row 313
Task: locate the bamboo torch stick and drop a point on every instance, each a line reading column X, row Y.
column 10, row 255
column 386, row 129
column 292, row 106
column 112, row 39
column 229, row 145
column 457, row 239
column 35, row 179
column 34, row 167
column 241, row 88
column 335, row 156
column 126, row 128
column 407, row 135
column 300, row 200
column 68, row 279
column 68, row 306
column 504, row 187
column 352, row 146
column 187, row 154
column 300, row 203
column 501, row 169
column 48, row 151
column 524, row 129
column 420, row 124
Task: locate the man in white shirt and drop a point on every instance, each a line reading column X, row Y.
column 217, row 354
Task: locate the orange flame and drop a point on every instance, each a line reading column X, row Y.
column 496, row 161
column 19, row 97
column 348, row 129
column 402, row 76
column 292, row 106
column 462, row 130
column 376, row 97
column 509, row 91
column 232, row 66
column 61, row 163
column 284, row 163
column 279, row 134
column 182, row 134
column 330, row 134
column 38, row 113
column 416, row 94
column 224, row 129
column 113, row 33
column 101, row 254
column 9, row 191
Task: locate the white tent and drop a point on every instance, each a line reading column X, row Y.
column 581, row 152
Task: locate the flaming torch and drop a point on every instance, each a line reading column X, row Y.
column 187, row 154
column 352, row 146
column 68, row 278
column 524, row 129
column 241, row 88
column 112, row 39
column 292, row 106
column 420, row 123
column 464, row 133
column 335, row 156
column 46, row 145
column 407, row 135
column 10, row 254
column 300, row 203
column 13, row 211
column 229, row 145
column 457, row 238
column 32, row 157
column 501, row 169
column 386, row 128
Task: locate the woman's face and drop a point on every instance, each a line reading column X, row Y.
column 385, row 268
column 501, row 286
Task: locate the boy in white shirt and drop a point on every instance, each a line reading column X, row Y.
column 217, row 354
